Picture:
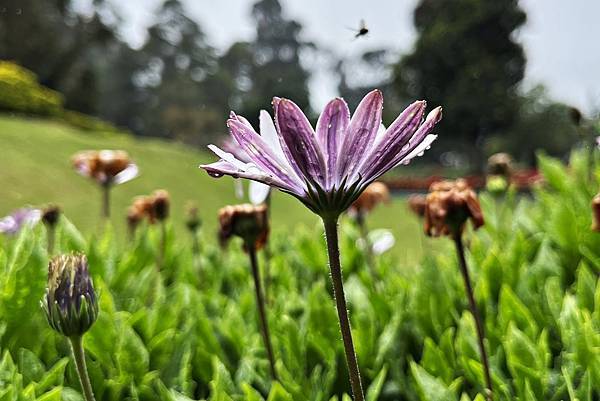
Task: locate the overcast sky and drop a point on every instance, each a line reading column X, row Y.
column 561, row 38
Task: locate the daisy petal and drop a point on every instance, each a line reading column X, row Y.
column 394, row 139
column 299, row 142
column 331, row 128
column 360, row 135
column 130, row 172
column 269, row 133
column 415, row 146
column 261, row 153
column 258, row 192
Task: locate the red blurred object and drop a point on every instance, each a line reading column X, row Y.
column 522, row 179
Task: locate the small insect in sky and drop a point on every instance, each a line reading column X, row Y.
column 362, row 30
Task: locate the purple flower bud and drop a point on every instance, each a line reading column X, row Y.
column 70, row 302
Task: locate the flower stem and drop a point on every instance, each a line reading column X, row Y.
column 460, row 250
column 335, row 267
column 79, row 356
column 260, row 303
column 51, row 234
column 106, row 201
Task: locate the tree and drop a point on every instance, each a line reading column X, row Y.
column 55, row 42
column 179, row 65
column 466, row 59
column 270, row 65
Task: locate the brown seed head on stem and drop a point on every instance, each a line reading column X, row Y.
column 449, row 205
column 246, row 221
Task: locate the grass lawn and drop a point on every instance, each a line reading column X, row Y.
column 36, row 170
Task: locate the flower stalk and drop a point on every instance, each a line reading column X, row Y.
column 260, row 302
column 333, row 250
column 460, row 251
column 79, row 356
column 449, row 205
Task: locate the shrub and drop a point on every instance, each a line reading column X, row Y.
column 20, row 92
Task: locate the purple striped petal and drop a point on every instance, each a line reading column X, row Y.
column 394, row 139
column 360, row 135
column 415, row 146
column 299, row 142
column 229, row 165
column 261, row 153
column 331, row 128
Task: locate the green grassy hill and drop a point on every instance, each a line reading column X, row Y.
column 36, row 170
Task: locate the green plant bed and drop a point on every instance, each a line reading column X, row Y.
column 191, row 333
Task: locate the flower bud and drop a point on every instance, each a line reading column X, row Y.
column 449, row 205
column 375, row 194
column 193, row 221
column 500, row 164
column 246, row 221
column 50, row 215
column 70, row 302
column 596, row 213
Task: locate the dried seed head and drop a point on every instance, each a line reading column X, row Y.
column 160, row 204
column 375, row 194
column 105, row 166
column 50, row 215
column 134, row 217
column 70, row 302
column 596, row 213
column 449, row 205
column 246, row 221
column 417, row 203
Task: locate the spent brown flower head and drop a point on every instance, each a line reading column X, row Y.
column 107, row 167
column 246, row 221
column 596, row 213
column 50, row 215
column 500, row 164
column 449, row 205
column 417, row 203
column 375, row 194
column 160, row 204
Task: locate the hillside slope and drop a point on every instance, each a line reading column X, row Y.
column 35, row 169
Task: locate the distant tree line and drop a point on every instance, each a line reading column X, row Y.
column 177, row 86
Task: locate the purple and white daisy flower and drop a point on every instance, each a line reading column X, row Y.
column 20, row 218
column 326, row 169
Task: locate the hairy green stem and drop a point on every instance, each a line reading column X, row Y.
column 79, row 356
column 460, row 250
column 260, row 303
column 337, row 280
column 106, row 201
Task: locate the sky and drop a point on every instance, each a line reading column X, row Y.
column 561, row 38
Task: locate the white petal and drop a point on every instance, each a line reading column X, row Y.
column 420, row 149
column 7, row 224
column 258, row 192
column 238, row 187
column 382, row 240
column 269, row 133
column 130, row 172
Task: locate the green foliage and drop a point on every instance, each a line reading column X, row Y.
column 22, row 93
column 190, row 332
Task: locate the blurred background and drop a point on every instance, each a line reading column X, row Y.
column 158, row 79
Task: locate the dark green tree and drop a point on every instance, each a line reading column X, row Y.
column 467, row 60
column 270, row 65
column 179, row 66
column 57, row 43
